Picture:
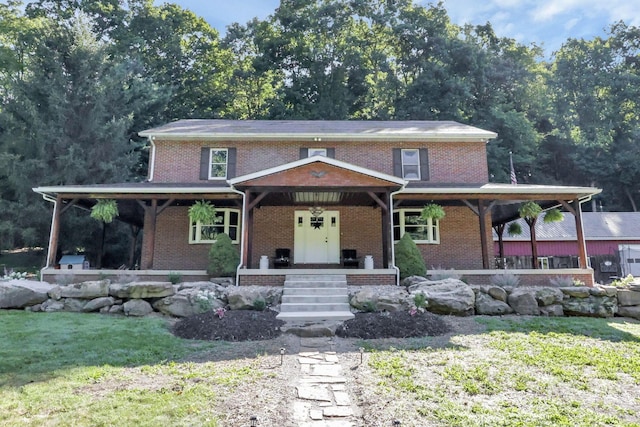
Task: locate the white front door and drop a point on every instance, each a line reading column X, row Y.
column 316, row 238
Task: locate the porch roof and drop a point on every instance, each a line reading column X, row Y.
column 316, row 130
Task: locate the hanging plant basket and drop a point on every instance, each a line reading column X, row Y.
column 432, row 210
column 553, row 215
column 105, row 210
column 203, row 212
column 514, row 229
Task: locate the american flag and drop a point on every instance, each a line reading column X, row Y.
column 514, row 180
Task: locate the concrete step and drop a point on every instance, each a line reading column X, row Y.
column 314, row 299
column 315, row 283
column 315, row 291
column 315, row 316
column 304, row 307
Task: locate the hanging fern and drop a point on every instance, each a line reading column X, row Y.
column 202, row 211
column 530, row 210
column 432, row 210
column 553, row 215
column 105, row 210
column 514, row 229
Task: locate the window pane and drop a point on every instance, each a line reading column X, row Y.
column 411, row 172
column 208, row 232
column 417, row 233
column 410, row 157
column 317, row 152
column 218, row 171
column 218, row 156
column 233, row 233
column 233, row 218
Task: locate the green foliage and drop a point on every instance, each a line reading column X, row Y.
column 259, row 304
column 369, row 307
column 420, row 300
column 623, row 282
column 175, row 278
column 202, row 211
column 223, row 257
column 105, row 210
column 408, row 258
column 432, row 210
column 553, row 215
column 514, row 229
column 529, row 210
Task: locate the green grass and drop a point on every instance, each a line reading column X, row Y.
column 521, row 372
column 68, row 369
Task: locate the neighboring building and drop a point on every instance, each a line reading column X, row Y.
column 316, row 188
column 612, row 240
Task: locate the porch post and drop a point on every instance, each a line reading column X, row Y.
column 150, row 241
column 482, row 212
column 55, row 233
column 248, row 229
column 582, row 246
column 386, row 230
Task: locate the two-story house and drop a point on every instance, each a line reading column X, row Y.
column 322, row 191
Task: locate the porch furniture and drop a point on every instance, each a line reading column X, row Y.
column 282, row 258
column 350, row 258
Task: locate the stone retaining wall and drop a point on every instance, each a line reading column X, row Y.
column 448, row 296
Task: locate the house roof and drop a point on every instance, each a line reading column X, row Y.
column 596, row 226
column 496, row 189
column 316, row 130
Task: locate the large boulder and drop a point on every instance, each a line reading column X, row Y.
column 548, row 296
column 576, row 291
column 413, row 280
column 394, row 300
column 52, row 305
column 628, row 298
column 485, row 304
column 448, row 296
column 219, row 291
column 139, row 290
column 629, row 311
column 74, row 304
column 83, row 290
column 553, row 310
column 244, row 297
column 591, row 306
column 98, row 303
column 363, row 299
column 23, row 293
column 523, row 301
column 187, row 302
column 137, row 307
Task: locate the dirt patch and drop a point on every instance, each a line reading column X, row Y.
column 234, row 325
column 399, row 324
column 247, row 325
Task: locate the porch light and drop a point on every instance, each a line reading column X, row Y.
column 254, row 421
column 281, row 355
column 316, row 210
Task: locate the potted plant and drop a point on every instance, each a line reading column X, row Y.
column 433, row 211
column 202, row 211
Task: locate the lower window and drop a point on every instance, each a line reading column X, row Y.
column 421, row 230
column 227, row 221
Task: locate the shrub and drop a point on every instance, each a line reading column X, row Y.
column 408, row 258
column 259, row 304
column 507, row 280
column 623, row 282
column 369, row 306
column 420, row 300
column 223, row 257
column 175, row 278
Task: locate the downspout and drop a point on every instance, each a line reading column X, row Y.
column 152, row 160
column 393, row 246
column 242, row 242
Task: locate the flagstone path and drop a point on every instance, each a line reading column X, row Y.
column 322, row 398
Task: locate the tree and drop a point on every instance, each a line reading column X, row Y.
column 408, row 258
column 69, row 121
column 223, row 257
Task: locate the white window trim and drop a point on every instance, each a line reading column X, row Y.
column 430, row 224
column 311, row 150
column 226, row 164
column 225, row 224
column 419, row 178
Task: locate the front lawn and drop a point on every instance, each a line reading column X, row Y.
column 519, row 372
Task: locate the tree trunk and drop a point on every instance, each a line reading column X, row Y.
column 500, row 231
column 101, row 246
column 630, row 197
column 135, row 230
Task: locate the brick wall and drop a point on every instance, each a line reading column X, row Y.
column 449, row 162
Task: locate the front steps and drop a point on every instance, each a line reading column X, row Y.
column 315, row 299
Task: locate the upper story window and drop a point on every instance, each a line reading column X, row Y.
column 228, row 222
column 411, row 164
column 420, row 230
column 317, row 152
column 218, row 163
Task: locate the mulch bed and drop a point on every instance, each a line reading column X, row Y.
column 249, row 325
column 235, row 325
column 398, row 324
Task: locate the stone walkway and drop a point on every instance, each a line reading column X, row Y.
column 322, row 397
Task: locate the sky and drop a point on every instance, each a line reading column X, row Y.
column 547, row 23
